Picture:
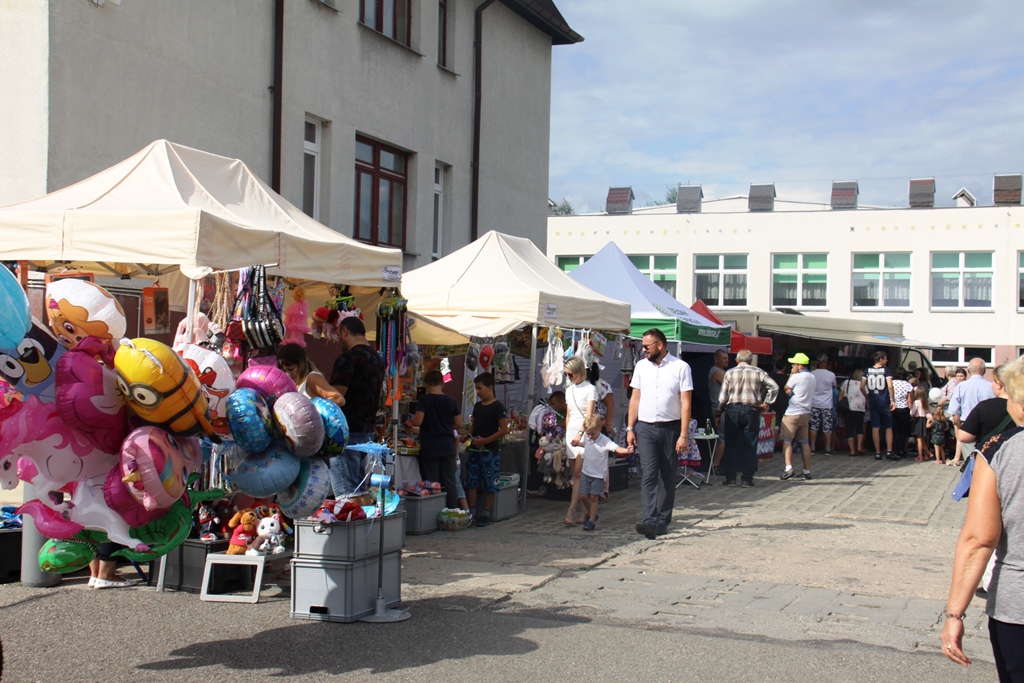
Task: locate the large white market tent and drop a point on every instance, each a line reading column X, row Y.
column 171, row 205
column 610, row 272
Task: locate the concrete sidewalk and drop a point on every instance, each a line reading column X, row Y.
column 840, row 578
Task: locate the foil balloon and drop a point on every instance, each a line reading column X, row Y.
column 52, row 454
column 160, row 536
column 88, row 400
column 266, row 379
column 216, row 379
column 66, row 555
column 335, row 426
column 155, row 466
column 250, row 420
column 307, row 493
column 300, row 424
column 77, row 309
column 267, row 473
column 15, row 320
column 161, row 388
column 29, row 366
column 119, row 499
column 486, row 356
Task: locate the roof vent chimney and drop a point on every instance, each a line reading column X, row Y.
column 922, row 193
column 964, row 198
column 688, row 198
column 1006, row 190
column 620, row 201
column 761, row 197
column 844, row 194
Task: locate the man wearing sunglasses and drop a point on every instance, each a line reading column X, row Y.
column 658, row 426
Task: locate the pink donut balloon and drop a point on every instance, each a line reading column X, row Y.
column 88, row 400
column 301, row 426
column 155, row 466
column 266, row 379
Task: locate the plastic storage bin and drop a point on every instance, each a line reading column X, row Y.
column 348, row 541
column 506, row 503
column 423, row 512
column 187, row 563
column 343, row 591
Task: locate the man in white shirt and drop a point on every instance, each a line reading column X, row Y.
column 659, row 428
column 797, row 420
column 821, row 404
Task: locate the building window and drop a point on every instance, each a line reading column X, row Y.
column 962, row 355
column 660, row 268
column 437, row 241
column 442, row 32
column 720, row 279
column 962, row 279
column 881, row 280
column 800, row 280
column 380, row 194
column 570, row 263
column 311, row 169
column 393, row 18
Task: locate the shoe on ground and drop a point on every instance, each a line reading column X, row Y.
column 729, row 482
column 481, row 521
column 100, row 584
column 878, row 456
column 829, row 453
column 662, row 532
column 747, row 485
column 806, row 476
column 588, row 525
column 891, row 456
column 646, row 531
column 788, row 474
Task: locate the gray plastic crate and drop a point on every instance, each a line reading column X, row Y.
column 348, row 541
column 343, row 591
column 423, row 512
column 506, row 503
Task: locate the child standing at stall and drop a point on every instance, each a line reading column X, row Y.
column 437, row 417
column 489, row 424
column 939, row 428
column 919, row 417
column 596, row 447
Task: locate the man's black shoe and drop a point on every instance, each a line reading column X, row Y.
column 646, row 531
column 892, row 456
column 878, row 456
column 747, row 484
column 729, row 482
column 662, row 532
column 788, row 474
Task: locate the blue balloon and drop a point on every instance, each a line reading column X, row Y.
column 249, row 420
column 335, row 426
column 15, row 320
column 264, row 474
column 30, row 366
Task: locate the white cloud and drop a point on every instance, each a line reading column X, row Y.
column 798, row 93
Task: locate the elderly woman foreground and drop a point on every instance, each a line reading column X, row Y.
column 995, row 521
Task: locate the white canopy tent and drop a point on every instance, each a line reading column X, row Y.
column 171, row 205
column 500, row 283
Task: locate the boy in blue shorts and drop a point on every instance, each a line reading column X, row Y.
column 483, row 465
column 596, row 447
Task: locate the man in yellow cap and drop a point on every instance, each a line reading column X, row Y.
column 796, row 422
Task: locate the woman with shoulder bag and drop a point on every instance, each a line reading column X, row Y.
column 852, row 405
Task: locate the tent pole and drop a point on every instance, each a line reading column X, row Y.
column 190, row 309
column 524, row 466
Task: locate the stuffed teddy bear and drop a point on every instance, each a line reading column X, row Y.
column 244, row 524
column 269, row 537
column 209, row 522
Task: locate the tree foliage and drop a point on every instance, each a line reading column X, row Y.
column 563, row 208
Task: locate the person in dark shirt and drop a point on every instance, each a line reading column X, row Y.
column 987, row 417
column 490, row 423
column 437, row 416
column 781, row 376
column 358, row 375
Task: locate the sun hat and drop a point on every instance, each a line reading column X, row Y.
column 800, row 359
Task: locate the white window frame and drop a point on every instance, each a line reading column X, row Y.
column 962, row 270
column 963, row 357
column 437, row 237
column 566, row 260
column 881, row 271
column 651, row 271
column 800, row 271
column 312, row 148
column 722, row 271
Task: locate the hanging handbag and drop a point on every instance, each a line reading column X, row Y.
column 844, row 402
column 261, row 321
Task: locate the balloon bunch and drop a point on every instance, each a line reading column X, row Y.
column 104, row 429
column 281, row 429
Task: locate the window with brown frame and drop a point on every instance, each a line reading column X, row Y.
column 380, row 197
column 392, row 18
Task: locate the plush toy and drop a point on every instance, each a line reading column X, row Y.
column 268, row 537
column 339, row 510
column 244, row 523
column 225, row 511
column 296, row 319
column 208, row 522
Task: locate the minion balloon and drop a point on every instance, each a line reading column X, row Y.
column 160, row 388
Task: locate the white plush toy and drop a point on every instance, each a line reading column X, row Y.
column 268, row 537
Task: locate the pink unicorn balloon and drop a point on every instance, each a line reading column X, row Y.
column 88, row 399
column 155, row 466
column 57, row 454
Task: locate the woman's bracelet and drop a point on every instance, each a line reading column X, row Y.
column 950, row 615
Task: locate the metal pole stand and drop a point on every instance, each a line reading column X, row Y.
column 382, row 614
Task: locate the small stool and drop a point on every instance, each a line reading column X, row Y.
column 258, row 561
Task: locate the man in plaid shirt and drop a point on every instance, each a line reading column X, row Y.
column 746, row 392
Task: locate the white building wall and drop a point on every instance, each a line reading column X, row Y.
column 840, row 234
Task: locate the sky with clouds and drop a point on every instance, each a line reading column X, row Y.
column 725, row 93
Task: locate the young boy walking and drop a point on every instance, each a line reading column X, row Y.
column 596, row 447
column 483, row 465
column 437, row 417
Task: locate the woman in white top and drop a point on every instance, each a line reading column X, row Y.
column 292, row 359
column 580, row 401
column 853, row 418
